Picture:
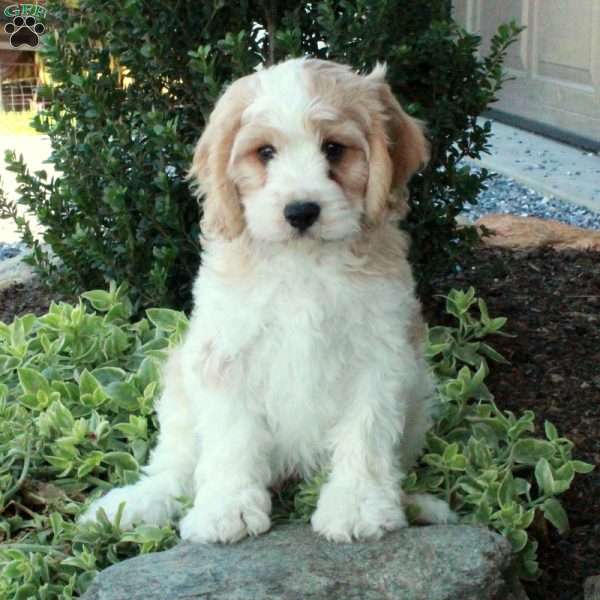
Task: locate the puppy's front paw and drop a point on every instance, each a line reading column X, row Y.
column 227, row 516
column 361, row 513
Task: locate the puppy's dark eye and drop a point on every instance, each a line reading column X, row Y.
column 333, row 151
column 266, row 153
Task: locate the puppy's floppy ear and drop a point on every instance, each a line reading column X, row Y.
column 222, row 210
column 398, row 149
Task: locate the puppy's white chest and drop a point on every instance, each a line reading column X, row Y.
column 297, row 331
column 298, row 371
column 287, row 337
column 306, row 334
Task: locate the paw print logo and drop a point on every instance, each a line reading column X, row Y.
column 24, row 31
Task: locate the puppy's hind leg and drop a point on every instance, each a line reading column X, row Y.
column 431, row 510
column 169, row 473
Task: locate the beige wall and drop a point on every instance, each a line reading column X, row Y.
column 555, row 63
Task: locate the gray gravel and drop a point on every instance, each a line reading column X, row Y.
column 506, row 196
column 10, row 250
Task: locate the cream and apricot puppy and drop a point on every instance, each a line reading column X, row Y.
column 305, row 346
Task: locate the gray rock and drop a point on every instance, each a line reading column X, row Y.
column 293, row 563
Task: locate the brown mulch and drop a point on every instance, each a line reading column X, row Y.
column 552, row 302
column 23, row 298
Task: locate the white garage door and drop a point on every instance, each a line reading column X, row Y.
column 556, row 63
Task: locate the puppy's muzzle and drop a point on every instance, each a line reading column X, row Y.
column 301, row 215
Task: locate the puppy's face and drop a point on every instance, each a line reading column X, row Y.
column 305, row 149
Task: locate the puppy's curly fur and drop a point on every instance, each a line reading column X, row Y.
column 305, row 346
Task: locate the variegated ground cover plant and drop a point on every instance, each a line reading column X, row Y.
column 77, row 389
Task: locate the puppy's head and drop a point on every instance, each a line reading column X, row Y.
column 306, row 148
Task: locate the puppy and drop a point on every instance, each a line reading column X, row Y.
column 305, row 346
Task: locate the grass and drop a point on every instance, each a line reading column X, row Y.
column 17, row 123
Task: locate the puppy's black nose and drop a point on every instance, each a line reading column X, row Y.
column 301, row 215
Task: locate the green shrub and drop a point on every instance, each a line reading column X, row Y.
column 76, row 418
column 135, row 81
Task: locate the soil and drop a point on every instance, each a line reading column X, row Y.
column 23, row 298
column 552, row 302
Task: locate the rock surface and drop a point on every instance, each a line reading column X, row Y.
column 291, row 562
column 530, row 232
